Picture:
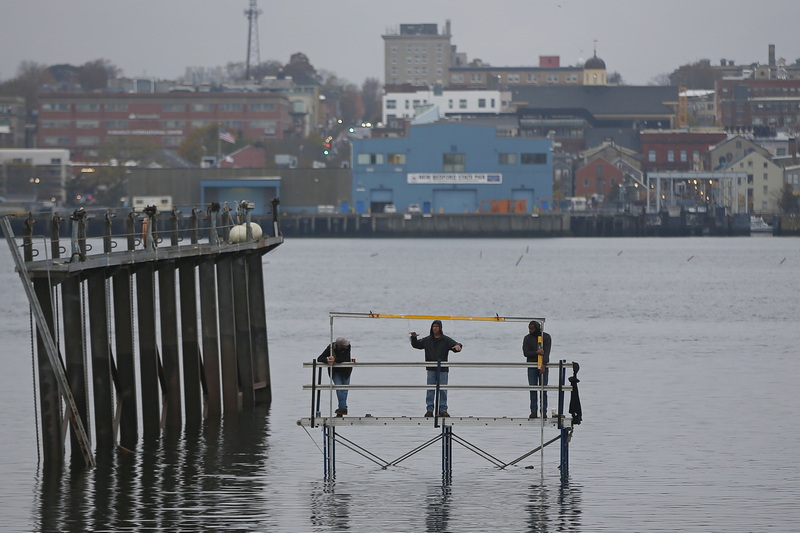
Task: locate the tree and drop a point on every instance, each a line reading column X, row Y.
column 94, row 75
column 199, row 143
column 700, row 75
column 30, row 76
column 371, row 98
column 660, row 79
column 615, row 78
column 301, row 70
column 787, row 203
column 351, row 105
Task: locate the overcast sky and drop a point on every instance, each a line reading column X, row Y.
column 640, row 39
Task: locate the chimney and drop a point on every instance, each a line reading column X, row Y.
column 447, row 27
column 772, row 55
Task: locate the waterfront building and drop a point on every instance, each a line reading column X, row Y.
column 12, row 122
column 451, row 168
column 762, row 106
column 408, row 105
column 32, row 177
column 86, row 123
column 760, row 191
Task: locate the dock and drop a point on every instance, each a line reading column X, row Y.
column 559, row 426
column 166, row 325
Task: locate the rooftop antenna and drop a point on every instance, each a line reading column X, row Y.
column 253, row 53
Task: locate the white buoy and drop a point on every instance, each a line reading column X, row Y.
column 239, row 232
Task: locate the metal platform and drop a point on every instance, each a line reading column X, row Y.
column 460, row 421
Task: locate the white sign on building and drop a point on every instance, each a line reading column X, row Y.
column 453, row 178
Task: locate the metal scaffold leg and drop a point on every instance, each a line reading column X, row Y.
column 447, row 453
column 329, row 451
column 565, row 434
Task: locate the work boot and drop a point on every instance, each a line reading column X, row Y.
column 444, row 414
column 341, row 412
column 533, row 415
column 428, row 414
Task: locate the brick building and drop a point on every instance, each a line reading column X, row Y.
column 85, row 123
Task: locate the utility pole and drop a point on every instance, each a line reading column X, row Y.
column 253, row 53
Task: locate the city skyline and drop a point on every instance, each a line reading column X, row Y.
column 162, row 39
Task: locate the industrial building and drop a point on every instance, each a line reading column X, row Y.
column 451, row 168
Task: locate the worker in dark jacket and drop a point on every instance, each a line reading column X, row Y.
column 437, row 346
column 338, row 352
column 532, row 348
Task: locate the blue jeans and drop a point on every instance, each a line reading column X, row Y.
column 533, row 379
column 429, row 396
column 339, row 378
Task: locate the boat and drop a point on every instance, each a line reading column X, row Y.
column 757, row 225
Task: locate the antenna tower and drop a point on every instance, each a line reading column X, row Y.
column 253, row 53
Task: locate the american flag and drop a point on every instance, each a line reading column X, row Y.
column 226, row 136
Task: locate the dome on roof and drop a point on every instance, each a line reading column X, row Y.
column 595, row 63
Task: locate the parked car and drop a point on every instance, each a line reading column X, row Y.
column 414, row 208
column 389, row 208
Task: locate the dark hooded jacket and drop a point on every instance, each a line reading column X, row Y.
column 342, row 355
column 435, row 349
column 531, row 342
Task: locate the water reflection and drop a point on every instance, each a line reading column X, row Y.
column 330, row 509
column 201, row 478
column 437, row 508
column 554, row 510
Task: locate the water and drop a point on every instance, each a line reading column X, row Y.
column 688, row 353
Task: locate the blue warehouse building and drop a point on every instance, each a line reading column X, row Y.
column 451, row 168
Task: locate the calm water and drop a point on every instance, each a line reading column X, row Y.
column 689, row 367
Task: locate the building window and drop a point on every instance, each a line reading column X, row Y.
column 766, row 189
column 173, row 108
column 476, row 77
column 261, row 107
column 87, row 107
column 202, row 107
column 172, row 124
column 507, row 159
column 533, row 78
column 533, row 159
column 462, row 104
column 55, row 124
column 370, row 159
column 572, row 77
column 453, row 162
column 684, row 156
column 391, row 104
column 116, row 107
column 481, row 102
column 671, row 156
column 87, row 141
column 396, row 159
column 513, row 78
column 56, row 141
column 651, row 156
column 90, row 124
column 111, row 124
column 552, row 77
column 231, row 107
column 457, row 78
column 55, row 107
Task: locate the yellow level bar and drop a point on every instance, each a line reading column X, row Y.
column 496, row 318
